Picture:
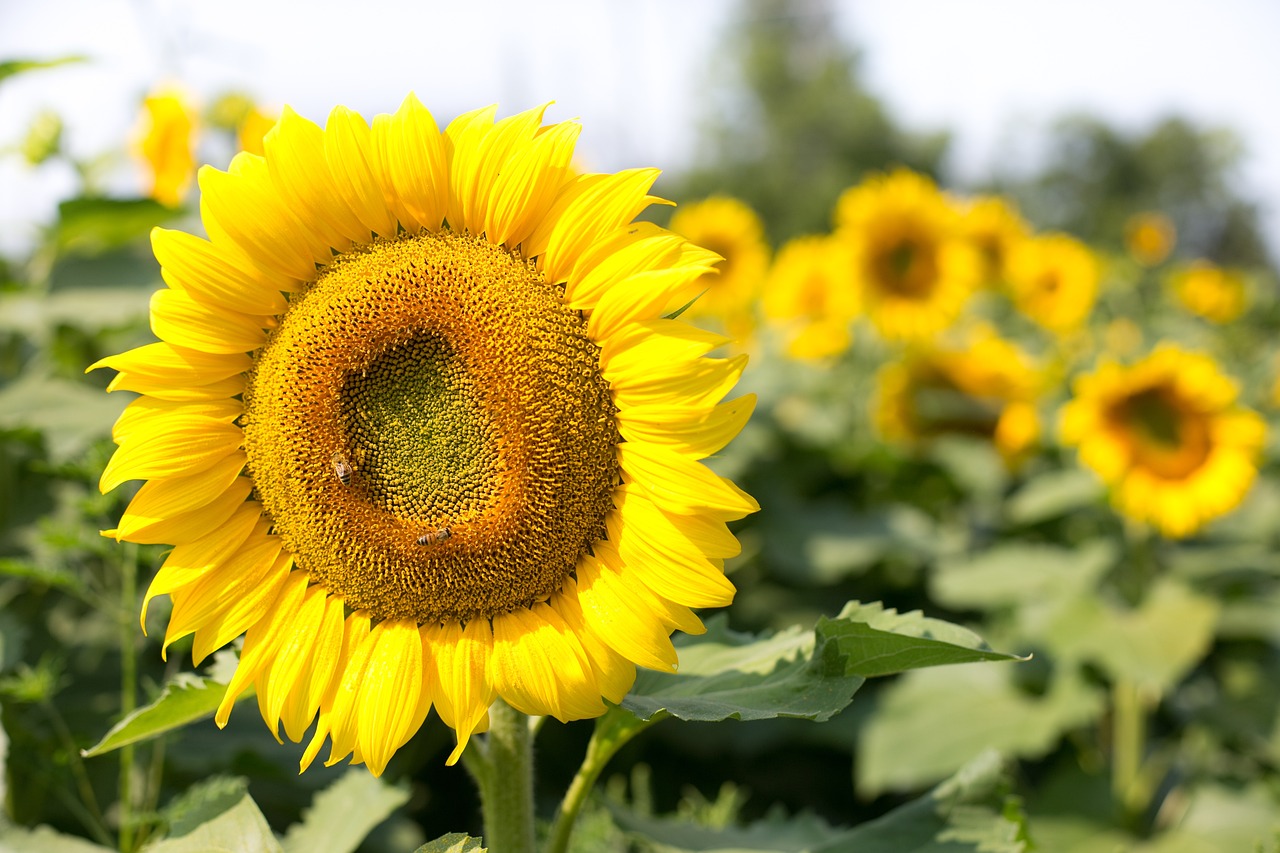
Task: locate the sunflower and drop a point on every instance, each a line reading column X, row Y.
column 1149, row 237
column 1167, row 436
column 911, row 262
column 810, row 293
column 1054, row 281
column 417, row 427
column 1210, row 291
column 985, row 389
column 732, row 230
column 166, row 144
column 993, row 225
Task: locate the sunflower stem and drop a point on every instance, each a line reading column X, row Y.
column 506, row 783
column 1128, row 734
column 128, row 687
column 613, row 731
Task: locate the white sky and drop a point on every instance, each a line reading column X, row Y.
column 991, row 71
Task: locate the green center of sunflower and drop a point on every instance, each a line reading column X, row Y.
column 429, row 431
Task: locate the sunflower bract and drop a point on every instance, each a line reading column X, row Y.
column 417, row 429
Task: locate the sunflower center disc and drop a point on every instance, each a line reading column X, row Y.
column 429, row 431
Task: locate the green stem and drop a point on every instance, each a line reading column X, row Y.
column 504, row 774
column 1128, row 736
column 128, row 687
column 613, row 731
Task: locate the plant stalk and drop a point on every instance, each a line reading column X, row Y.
column 505, row 779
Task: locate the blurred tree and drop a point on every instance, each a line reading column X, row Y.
column 1098, row 176
column 792, row 125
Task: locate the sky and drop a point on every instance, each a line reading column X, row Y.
column 993, row 72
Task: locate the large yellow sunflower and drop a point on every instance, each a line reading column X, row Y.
column 911, row 262
column 986, row 389
column 1054, row 280
column 731, row 229
column 1167, row 436
column 994, row 225
column 809, row 293
column 417, row 428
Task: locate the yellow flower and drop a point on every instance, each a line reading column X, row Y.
column 166, row 143
column 911, row 263
column 1054, row 280
column 993, row 225
column 1209, row 291
column 1149, row 237
column 810, row 292
column 985, row 389
column 733, row 231
column 416, row 428
column 1167, row 436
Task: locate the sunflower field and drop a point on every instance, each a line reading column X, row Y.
column 494, row 482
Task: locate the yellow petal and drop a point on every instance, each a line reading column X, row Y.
column 615, row 609
column 415, row 163
column 628, row 250
column 291, row 654
column 181, row 320
column 233, row 586
column 700, row 382
column 538, row 670
column 462, row 144
column 296, row 162
column 679, row 484
column 391, row 693
column 197, row 445
column 693, row 431
column 615, row 675
column 242, row 208
column 323, row 662
column 215, row 276
column 348, row 149
column 174, row 529
column 260, row 643
column 672, row 616
column 189, row 562
column 149, row 413
column 341, row 708
column 646, row 295
column 528, row 181
column 583, row 212
column 461, row 657
column 174, row 366
column 242, row 611
column 655, row 550
column 631, row 352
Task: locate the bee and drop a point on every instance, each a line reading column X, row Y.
column 342, row 468
column 434, row 536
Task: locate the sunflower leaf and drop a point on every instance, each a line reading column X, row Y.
column 186, row 699
column 13, row 67
column 44, row 839
column 344, row 813
column 868, row 640
column 728, row 675
column 970, row 811
column 454, row 842
column 237, row 825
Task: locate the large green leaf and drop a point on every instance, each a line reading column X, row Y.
column 240, row 826
column 186, row 699
column 344, row 813
column 92, row 225
column 971, row 811
column 454, row 842
column 930, row 723
column 70, row 414
column 1053, row 495
column 1019, row 573
column 868, row 640
column 727, row 675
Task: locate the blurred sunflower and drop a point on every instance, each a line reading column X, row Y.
column 911, row 263
column 1054, row 281
column 1209, row 291
column 1167, row 436
column 810, row 294
column 985, row 389
column 165, row 142
column 733, row 231
column 252, row 129
column 417, row 428
column 993, row 225
column 1149, row 238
